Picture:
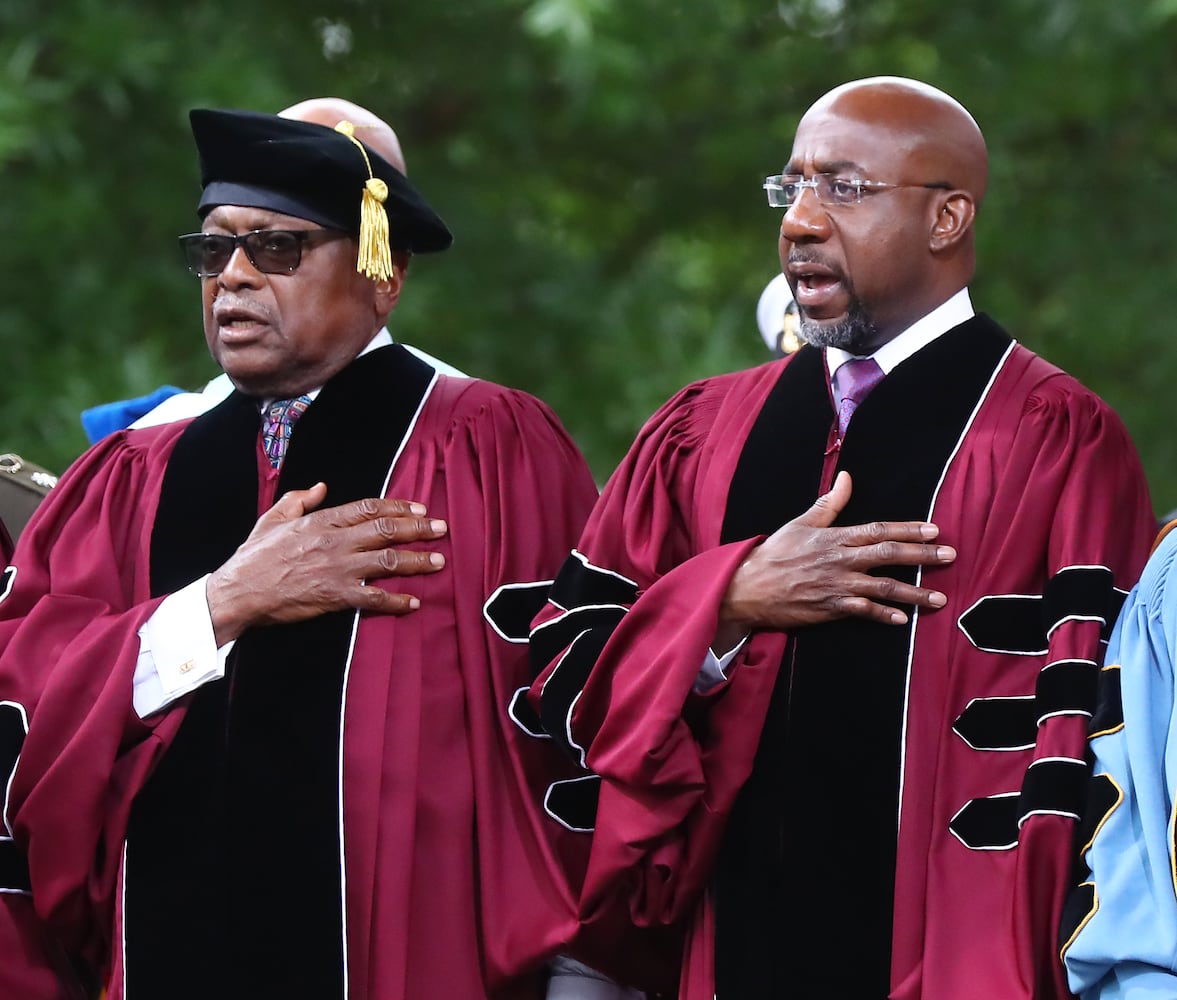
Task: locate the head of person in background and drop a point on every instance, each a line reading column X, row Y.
column 373, row 131
column 777, row 318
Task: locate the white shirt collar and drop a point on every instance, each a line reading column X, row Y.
column 921, row 333
column 382, row 339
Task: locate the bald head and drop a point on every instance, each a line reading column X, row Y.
column 373, row 132
column 370, row 130
column 864, row 269
column 940, row 141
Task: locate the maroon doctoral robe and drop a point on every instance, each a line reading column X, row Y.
column 359, row 758
column 860, row 810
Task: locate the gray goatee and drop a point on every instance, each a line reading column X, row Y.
column 853, row 334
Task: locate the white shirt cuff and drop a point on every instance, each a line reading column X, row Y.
column 714, row 669
column 177, row 650
column 573, row 980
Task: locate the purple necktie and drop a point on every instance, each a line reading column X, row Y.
column 278, row 423
column 855, row 379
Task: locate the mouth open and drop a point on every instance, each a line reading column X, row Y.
column 815, row 287
column 236, row 322
column 239, row 330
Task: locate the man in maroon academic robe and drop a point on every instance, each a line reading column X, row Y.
column 837, row 797
column 252, row 701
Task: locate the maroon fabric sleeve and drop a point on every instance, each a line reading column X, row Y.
column 666, row 791
column 1049, row 482
column 1102, row 517
column 73, row 603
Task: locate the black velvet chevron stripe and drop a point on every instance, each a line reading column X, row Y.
column 574, row 802
column 579, row 584
column 1001, row 624
column 1055, row 786
column 1081, row 592
column 568, row 678
column 1021, row 624
column 511, row 609
column 1109, row 704
column 1067, row 687
column 1102, row 797
column 998, row 723
column 14, row 866
column 989, row 824
column 1080, row 905
column 1050, row 786
column 551, row 638
column 524, row 716
column 13, row 730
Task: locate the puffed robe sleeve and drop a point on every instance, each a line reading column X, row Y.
column 629, row 622
column 71, row 604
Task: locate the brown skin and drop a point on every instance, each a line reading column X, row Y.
column 809, row 572
column 902, row 253
column 300, row 562
column 279, row 335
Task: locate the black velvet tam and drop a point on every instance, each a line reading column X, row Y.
column 309, row 171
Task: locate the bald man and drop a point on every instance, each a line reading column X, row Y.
column 847, row 749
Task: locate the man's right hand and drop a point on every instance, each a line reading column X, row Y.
column 809, row 572
column 300, row 562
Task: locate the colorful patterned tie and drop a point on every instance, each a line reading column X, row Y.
column 278, row 423
column 855, row 379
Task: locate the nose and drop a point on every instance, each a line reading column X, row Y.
column 806, row 220
column 239, row 271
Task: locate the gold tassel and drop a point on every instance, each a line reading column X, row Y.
column 375, row 257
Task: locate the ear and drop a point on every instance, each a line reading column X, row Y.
column 955, row 211
column 388, row 291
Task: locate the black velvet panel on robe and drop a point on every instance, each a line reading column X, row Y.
column 805, row 881
column 233, row 880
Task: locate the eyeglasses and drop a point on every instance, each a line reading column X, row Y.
column 271, row 251
column 784, row 190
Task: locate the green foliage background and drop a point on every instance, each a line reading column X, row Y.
column 599, row 162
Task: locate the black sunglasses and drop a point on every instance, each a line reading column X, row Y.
column 271, row 251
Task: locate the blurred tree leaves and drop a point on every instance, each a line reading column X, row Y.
column 600, row 164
